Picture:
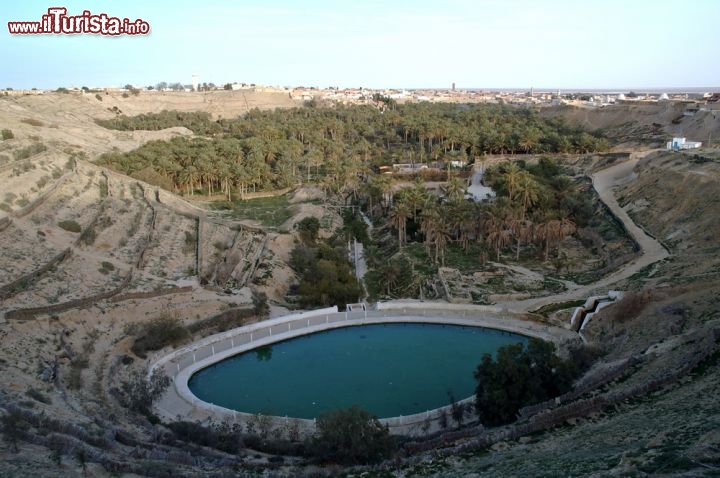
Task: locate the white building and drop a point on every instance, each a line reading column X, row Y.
column 682, row 143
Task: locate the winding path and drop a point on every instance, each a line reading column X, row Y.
column 651, row 250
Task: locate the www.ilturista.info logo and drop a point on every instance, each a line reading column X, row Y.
column 57, row 21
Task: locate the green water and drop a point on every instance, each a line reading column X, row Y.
column 388, row 369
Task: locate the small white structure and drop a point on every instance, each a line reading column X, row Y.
column 681, row 143
column 195, row 82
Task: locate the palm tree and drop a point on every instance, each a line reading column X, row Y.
column 522, row 229
column 241, row 178
column 512, row 178
column 567, row 228
column 529, row 139
column 398, row 218
column 466, row 224
column 384, row 184
column 440, row 240
column 528, row 191
column 429, row 225
column 434, row 226
column 390, row 274
column 455, row 190
column 417, row 197
column 224, row 174
column 553, row 232
column 188, row 177
column 498, row 235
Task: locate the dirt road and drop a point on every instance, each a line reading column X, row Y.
column 652, row 251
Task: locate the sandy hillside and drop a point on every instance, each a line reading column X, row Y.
column 67, row 121
column 656, row 122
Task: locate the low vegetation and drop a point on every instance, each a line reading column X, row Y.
column 70, row 226
column 331, row 146
column 270, row 211
column 352, row 436
column 156, row 334
column 536, row 209
column 33, row 149
column 138, row 392
column 522, row 375
column 326, row 275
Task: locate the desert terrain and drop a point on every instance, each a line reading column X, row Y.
column 87, row 254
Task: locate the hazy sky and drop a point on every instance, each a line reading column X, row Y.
column 376, row 43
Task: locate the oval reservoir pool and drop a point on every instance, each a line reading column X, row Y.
column 387, row 369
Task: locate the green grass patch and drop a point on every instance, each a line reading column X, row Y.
column 642, row 274
column 230, row 319
column 457, row 258
column 423, row 263
column 70, row 226
column 546, row 310
column 270, row 212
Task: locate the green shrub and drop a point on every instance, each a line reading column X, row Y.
column 227, row 320
column 352, row 436
column 326, row 276
column 7, row 134
column 138, row 393
column 308, row 229
column 31, row 150
column 158, row 333
column 74, row 378
column 37, row 395
column 88, row 236
column 70, row 226
column 520, row 376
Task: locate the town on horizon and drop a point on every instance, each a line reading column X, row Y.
column 589, row 97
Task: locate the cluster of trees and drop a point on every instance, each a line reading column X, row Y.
column 536, row 208
column 173, row 86
column 348, row 436
column 522, row 375
column 352, row 436
column 199, row 122
column 326, row 276
column 335, row 146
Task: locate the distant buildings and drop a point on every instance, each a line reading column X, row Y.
column 681, row 143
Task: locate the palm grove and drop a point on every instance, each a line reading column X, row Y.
column 341, row 148
column 331, row 146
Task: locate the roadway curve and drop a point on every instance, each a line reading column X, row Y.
column 651, row 251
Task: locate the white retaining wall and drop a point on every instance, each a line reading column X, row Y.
column 179, row 403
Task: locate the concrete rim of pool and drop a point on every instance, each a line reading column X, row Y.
column 179, row 403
